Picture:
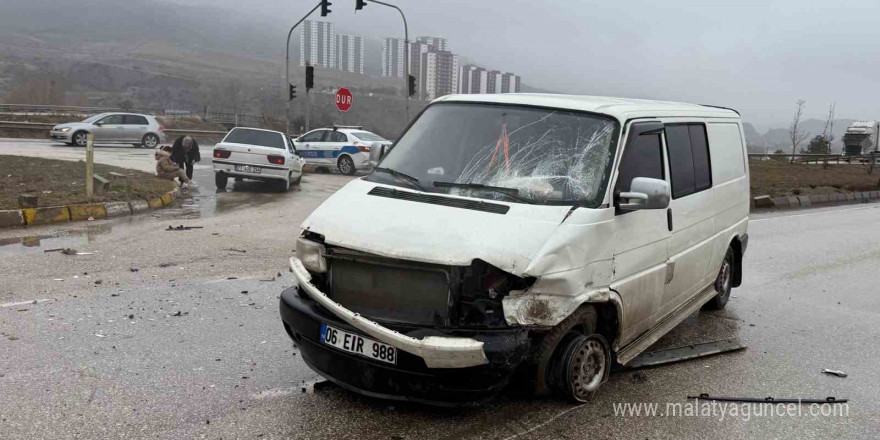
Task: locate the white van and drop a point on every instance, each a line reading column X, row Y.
column 548, row 234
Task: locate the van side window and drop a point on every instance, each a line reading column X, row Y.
column 643, row 159
column 681, row 160
column 700, row 148
column 688, row 158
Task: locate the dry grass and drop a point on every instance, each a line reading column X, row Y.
column 65, row 182
column 778, row 178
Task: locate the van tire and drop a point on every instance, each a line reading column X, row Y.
column 220, row 180
column 582, row 364
column 346, row 165
column 723, row 283
column 582, row 321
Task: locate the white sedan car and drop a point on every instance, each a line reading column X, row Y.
column 347, row 148
column 255, row 154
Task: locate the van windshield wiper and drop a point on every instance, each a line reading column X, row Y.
column 513, row 193
column 402, row 176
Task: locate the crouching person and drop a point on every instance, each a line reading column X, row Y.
column 167, row 169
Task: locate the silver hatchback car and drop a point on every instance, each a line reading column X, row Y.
column 112, row 128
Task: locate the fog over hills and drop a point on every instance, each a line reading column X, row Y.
column 174, row 55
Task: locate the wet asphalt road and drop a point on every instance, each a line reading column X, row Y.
column 173, row 335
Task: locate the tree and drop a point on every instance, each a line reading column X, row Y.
column 828, row 133
column 40, row 88
column 797, row 134
column 818, row 145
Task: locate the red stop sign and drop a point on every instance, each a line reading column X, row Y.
column 344, row 99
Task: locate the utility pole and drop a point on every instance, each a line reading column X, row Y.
column 287, row 60
column 406, row 51
column 90, row 164
column 310, row 83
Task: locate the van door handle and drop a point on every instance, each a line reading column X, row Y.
column 669, row 219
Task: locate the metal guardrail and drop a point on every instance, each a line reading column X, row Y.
column 47, row 126
column 810, row 157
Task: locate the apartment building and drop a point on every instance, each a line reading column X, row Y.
column 317, row 44
column 350, row 53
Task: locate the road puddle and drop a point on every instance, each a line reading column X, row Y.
column 35, row 244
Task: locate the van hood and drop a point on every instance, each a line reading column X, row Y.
column 430, row 233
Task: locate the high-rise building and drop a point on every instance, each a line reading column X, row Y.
column 475, row 79
column 510, row 83
column 416, row 50
column 437, row 43
column 317, row 44
column 438, row 74
column 392, row 57
column 350, row 53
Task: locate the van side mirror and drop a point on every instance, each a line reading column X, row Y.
column 645, row 193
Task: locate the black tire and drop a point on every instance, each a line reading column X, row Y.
column 150, row 140
column 346, row 165
column 80, row 139
column 284, row 185
column 137, row 145
column 582, row 321
column 723, row 283
column 220, row 179
column 581, row 366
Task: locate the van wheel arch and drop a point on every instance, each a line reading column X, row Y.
column 602, row 318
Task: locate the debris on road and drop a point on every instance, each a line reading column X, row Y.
column 183, row 228
column 687, row 352
column 134, row 269
column 100, row 335
column 837, row 373
column 236, row 250
column 167, row 264
column 22, row 303
column 705, row 396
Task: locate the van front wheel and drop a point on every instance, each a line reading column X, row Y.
column 582, row 366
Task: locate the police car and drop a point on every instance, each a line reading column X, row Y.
column 348, row 148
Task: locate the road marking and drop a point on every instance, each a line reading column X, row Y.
column 812, row 213
column 24, row 303
column 545, row 423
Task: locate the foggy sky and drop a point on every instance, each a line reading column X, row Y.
column 758, row 57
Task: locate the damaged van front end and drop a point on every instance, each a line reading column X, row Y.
column 436, row 279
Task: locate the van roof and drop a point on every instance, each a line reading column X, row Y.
column 621, row 108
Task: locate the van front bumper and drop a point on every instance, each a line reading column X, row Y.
column 436, row 366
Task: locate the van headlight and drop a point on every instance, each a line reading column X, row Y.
column 311, row 254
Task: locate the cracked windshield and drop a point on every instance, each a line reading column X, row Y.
column 524, row 154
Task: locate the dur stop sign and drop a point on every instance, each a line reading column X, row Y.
column 344, row 99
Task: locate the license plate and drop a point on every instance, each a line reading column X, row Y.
column 248, row 169
column 358, row 344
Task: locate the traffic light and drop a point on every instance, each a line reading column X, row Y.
column 359, row 4
column 325, row 8
column 412, row 85
column 310, row 77
column 292, row 92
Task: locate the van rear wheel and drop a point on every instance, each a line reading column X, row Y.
column 723, row 283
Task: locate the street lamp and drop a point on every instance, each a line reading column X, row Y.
column 360, row 4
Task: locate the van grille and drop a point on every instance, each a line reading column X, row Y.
column 415, row 294
column 474, row 205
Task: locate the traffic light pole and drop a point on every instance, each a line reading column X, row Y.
column 287, row 63
column 406, row 51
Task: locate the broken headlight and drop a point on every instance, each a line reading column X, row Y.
column 311, row 254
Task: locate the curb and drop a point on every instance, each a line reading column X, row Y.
column 67, row 213
column 796, row 202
